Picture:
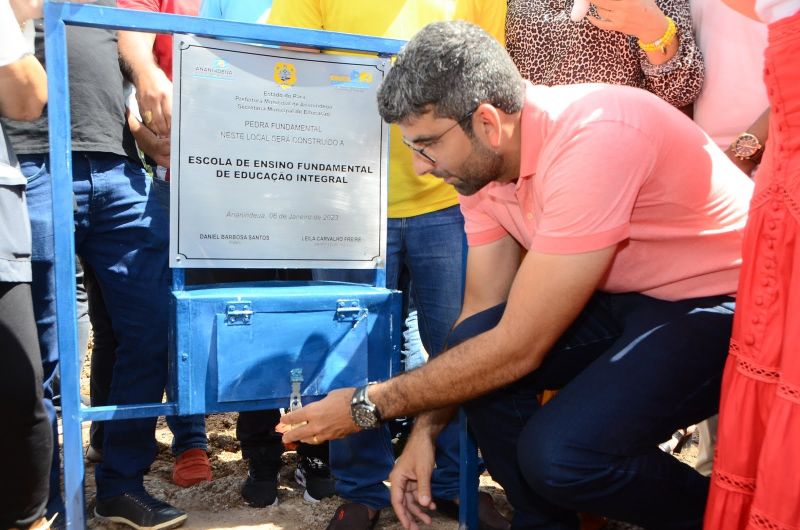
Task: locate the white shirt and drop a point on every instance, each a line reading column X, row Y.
column 733, row 94
column 773, row 10
column 13, row 44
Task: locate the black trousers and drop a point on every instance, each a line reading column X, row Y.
column 27, row 441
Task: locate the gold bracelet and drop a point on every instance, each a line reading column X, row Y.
column 662, row 43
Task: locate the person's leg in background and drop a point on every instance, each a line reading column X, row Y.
column 435, row 246
column 261, row 445
column 104, row 355
column 361, row 461
column 39, row 199
column 123, row 235
column 82, row 314
column 82, row 311
column 262, row 449
column 188, row 431
column 412, row 355
column 28, row 439
column 189, row 440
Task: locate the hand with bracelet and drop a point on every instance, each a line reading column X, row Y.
column 656, row 33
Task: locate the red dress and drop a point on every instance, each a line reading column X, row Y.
column 756, row 477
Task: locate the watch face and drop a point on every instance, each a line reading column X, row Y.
column 364, row 416
column 746, row 146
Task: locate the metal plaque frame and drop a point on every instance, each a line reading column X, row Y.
column 57, row 17
column 281, row 172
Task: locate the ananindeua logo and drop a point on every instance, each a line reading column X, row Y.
column 356, row 79
column 285, row 75
column 218, row 69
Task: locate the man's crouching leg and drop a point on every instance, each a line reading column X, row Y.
column 496, row 420
column 593, row 448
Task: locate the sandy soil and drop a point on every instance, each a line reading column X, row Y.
column 218, row 505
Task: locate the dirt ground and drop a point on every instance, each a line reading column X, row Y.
column 218, row 504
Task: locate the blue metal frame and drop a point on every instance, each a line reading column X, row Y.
column 57, row 17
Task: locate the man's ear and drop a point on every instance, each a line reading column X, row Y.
column 488, row 124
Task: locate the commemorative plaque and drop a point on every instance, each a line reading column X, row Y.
column 279, row 158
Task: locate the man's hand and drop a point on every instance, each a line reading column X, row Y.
column 153, row 87
column 154, row 95
column 153, row 146
column 640, row 18
column 318, row 422
column 411, row 482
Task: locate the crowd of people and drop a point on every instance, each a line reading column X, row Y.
column 622, row 186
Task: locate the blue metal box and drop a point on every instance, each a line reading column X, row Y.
column 238, row 342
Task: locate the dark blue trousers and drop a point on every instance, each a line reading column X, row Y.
column 630, row 371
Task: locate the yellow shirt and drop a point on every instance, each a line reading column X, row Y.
column 409, row 194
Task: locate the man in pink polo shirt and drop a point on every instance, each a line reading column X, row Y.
column 604, row 230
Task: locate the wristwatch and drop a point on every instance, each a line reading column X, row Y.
column 747, row 147
column 364, row 412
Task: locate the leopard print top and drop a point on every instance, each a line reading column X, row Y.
column 550, row 49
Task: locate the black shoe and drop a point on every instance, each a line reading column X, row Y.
column 260, row 492
column 261, row 487
column 139, row 510
column 315, row 476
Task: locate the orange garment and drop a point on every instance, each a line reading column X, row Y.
column 756, row 482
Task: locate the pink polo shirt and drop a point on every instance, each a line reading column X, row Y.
column 604, row 165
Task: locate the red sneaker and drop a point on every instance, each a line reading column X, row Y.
column 191, row 466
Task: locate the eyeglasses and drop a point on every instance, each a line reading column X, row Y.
column 430, row 141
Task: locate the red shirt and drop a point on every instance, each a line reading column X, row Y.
column 162, row 48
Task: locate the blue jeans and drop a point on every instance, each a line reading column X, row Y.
column 426, row 254
column 631, row 370
column 123, row 236
column 188, row 432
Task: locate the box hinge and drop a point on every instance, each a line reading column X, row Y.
column 238, row 313
column 349, row 311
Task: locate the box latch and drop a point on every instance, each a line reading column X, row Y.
column 238, row 313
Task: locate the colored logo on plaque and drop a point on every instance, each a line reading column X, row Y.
column 217, row 69
column 355, row 80
column 285, row 75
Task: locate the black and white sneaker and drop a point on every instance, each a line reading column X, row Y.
column 139, row 510
column 315, row 476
